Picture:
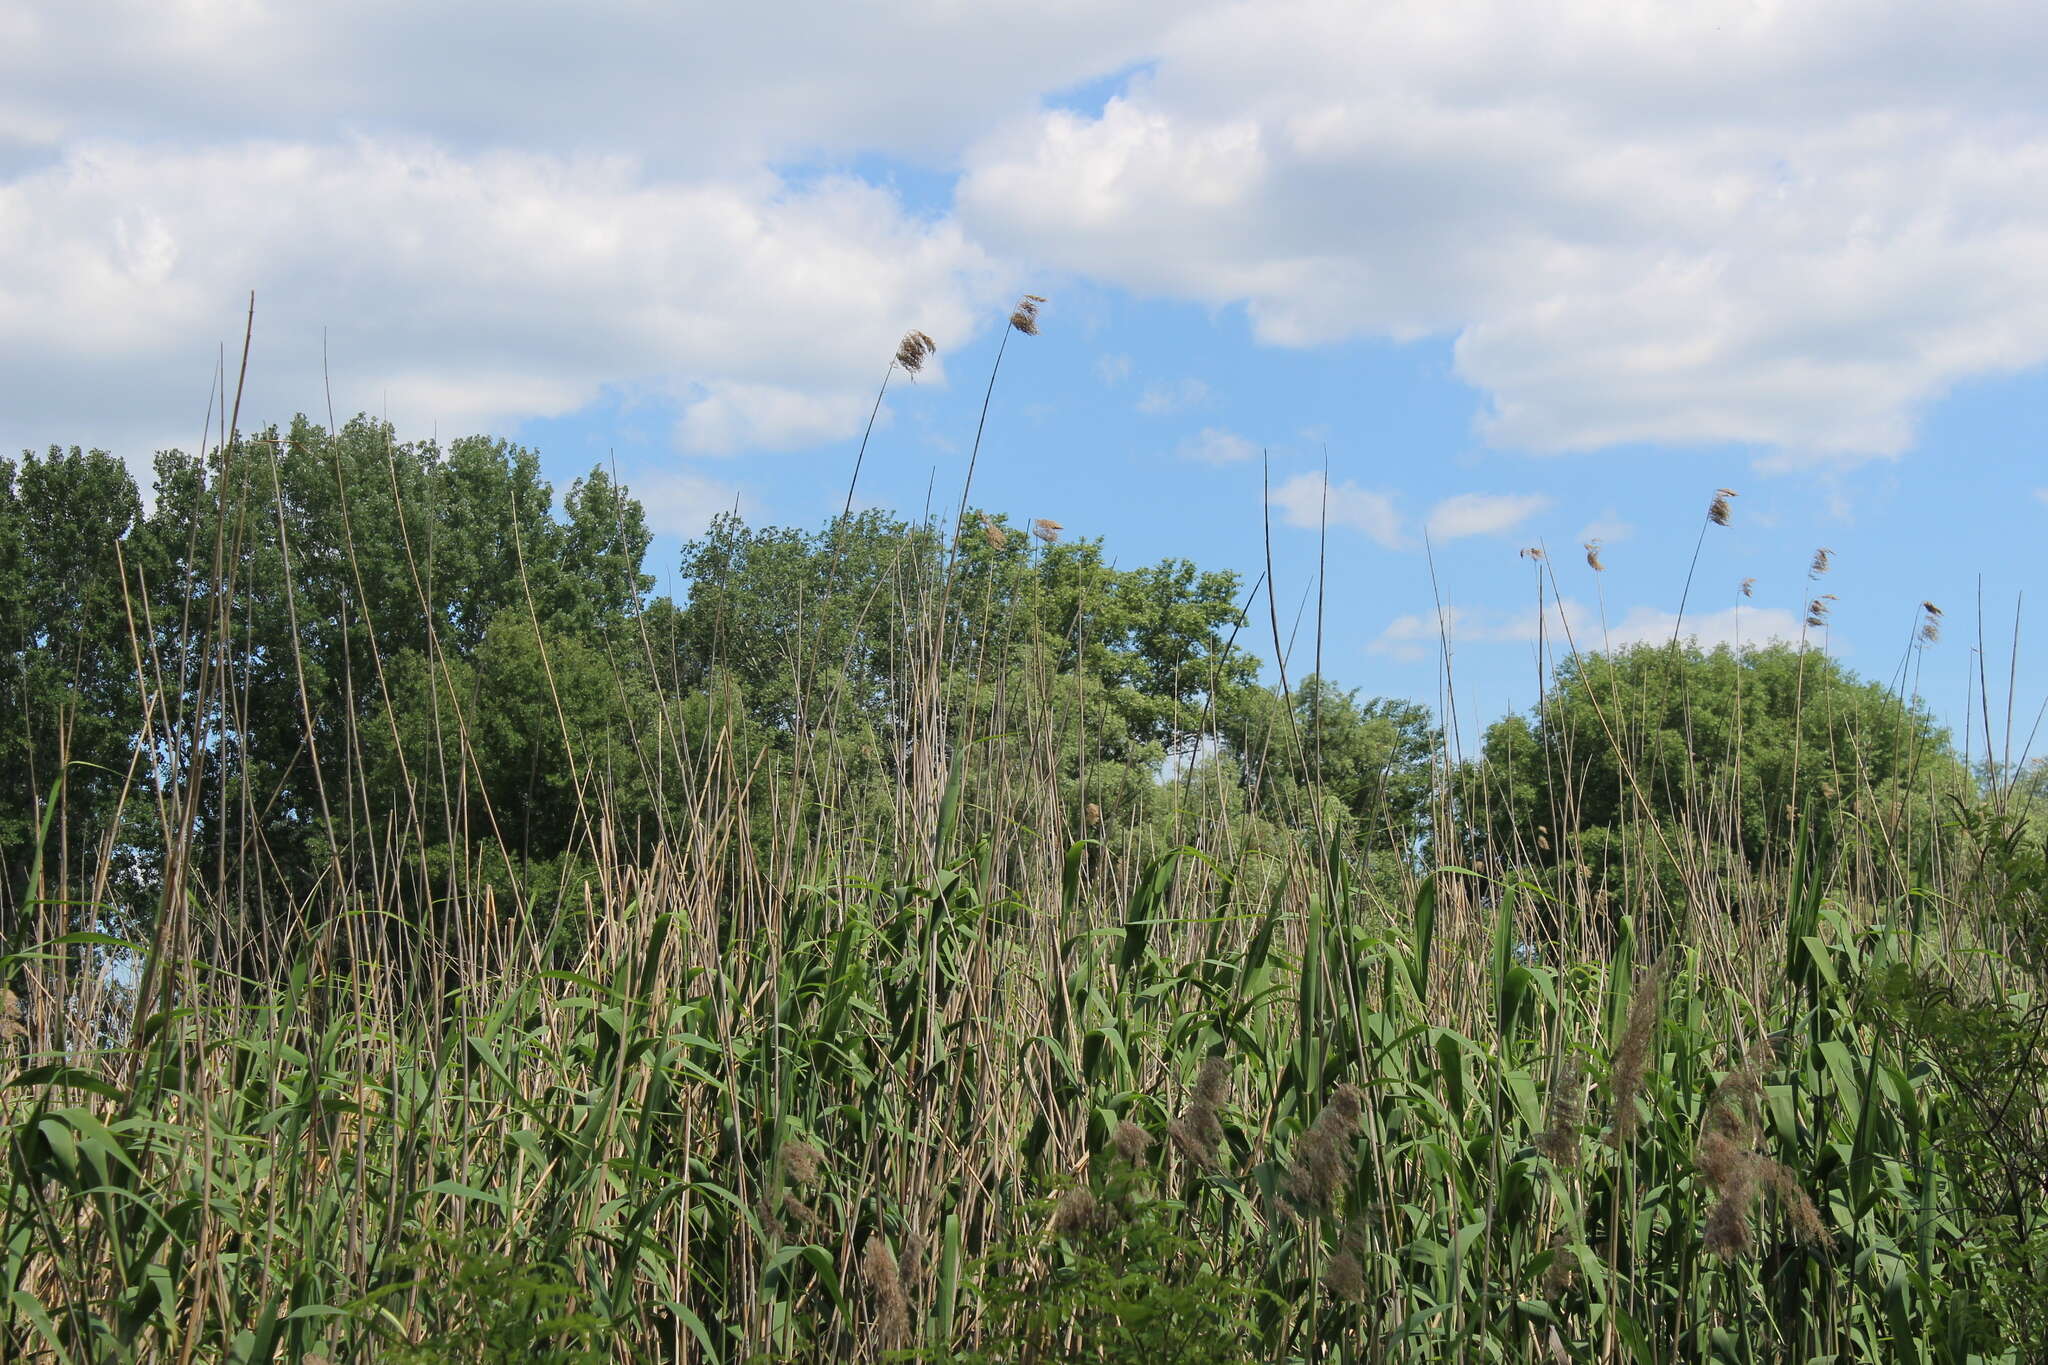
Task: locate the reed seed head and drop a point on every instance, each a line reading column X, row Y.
column 1046, row 529
column 1079, row 1211
column 1563, row 1271
column 1930, row 623
column 801, row 1161
column 1749, row 587
column 1823, row 558
column 1131, row 1142
column 885, row 1287
column 1631, row 1058
column 1593, row 556
column 913, row 351
column 1717, row 510
column 1559, row 1139
column 992, row 532
column 1323, row 1153
column 1024, row 317
column 1198, row 1132
column 1343, row 1279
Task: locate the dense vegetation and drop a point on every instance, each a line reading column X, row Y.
column 424, row 943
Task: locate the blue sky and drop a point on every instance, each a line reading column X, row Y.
column 1528, row 275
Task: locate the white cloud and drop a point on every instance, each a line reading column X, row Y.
column 1790, row 225
column 1301, row 502
column 1214, row 445
column 1483, row 514
column 1160, row 400
column 1607, row 529
column 682, row 502
column 1573, row 625
column 1737, row 625
column 458, row 291
column 701, row 89
column 2042, row 494
column 1113, row 369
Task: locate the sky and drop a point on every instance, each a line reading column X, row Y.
column 1516, row 275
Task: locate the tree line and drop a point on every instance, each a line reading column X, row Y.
column 310, row 649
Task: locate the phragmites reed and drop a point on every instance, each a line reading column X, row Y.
column 800, row 1161
column 1322, row 1154
column 1078, row 1211
column 913, row 351
column 1593, row 556
column 885, row 1286
column 1533, row 552
column 1631, row 1059
column 1131, row 1142
column 1563, row 1114
column 1823, row 559
column 1563, row 1271
column 1729, row 1159
column 1749, row 587
column 1046, row 529
column 992, row 532
column 1343, row 1278
column 1717, row 510
column 1025, row 316
column 1930, row 623
column 1817, row 610
column 1198, row 1132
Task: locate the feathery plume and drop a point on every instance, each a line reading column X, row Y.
column 1343, row 1279
column 1563, row 1271
column 1749, row 587
column 1822, row 559
column 1593, row 556
column 1631, row 1059
column 1534, row 552
column 1198, row 1132
column 1717, row 510
column 1729, row 1158
column 1131, row 1142
column 1930, row 623
column 1322, row 1154
column 1566, row 1110
column 885, row 1284
column 801, row 1161
column 913, row 351
column 1079, row 1211
column 1025, row 316
column 1046, row 529
column 992, row 532
column 1817, row 610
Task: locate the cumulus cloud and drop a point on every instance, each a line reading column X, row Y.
column 682, row 502
column 1161, row 400
column 1483, row 514
column 1301, row 501
column 1571, row 624
column 1214, row 445
column 1789, row 226
column 698, row 88
column 1608, row 529
column 460, row 291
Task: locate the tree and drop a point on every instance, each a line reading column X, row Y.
column 67, row 676
column 1730, row 749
